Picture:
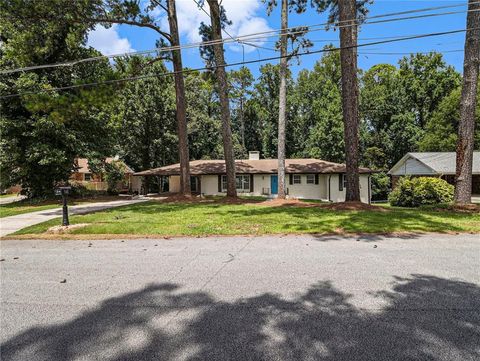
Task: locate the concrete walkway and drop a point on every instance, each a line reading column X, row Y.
column 14, row 223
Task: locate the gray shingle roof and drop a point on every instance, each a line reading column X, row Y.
column 444, row 162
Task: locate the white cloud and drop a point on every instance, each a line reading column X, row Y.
column 108, row 41
column 242, row 13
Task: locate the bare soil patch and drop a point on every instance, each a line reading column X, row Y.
column 466, row 208
column 353, row 206
column 65, row 229
column 342, row 206
column 276, row 202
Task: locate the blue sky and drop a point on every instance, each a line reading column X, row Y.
column 249, row 16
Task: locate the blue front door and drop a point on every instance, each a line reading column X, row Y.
column 274, row 184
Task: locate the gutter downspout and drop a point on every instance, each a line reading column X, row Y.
column 329, row 195
column 369, row 189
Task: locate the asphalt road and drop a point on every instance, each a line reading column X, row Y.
column 270, row 298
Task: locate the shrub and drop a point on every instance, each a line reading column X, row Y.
column 415, row 192
column 114, row 174
column 380, row 186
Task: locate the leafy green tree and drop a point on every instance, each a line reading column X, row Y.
column 43, row 133
column 204, row 126
column 145, row 116
column 317, row 127
column 426, row 79
column 262, row 113
column 241, row 81
column 114, row 173
column 442, row 127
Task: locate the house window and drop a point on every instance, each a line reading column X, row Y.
column 87, row 177
column 242, row 183
column 297, row 179
column 344, row 181
column 224, row 183
column 310, row 178
column 194, row 184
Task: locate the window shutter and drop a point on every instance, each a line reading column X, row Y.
column 316, row 178
column 290, row 178
column 340, row 182
column 219, row 183
column 251, row 182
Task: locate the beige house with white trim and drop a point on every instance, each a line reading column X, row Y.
column 305, row 178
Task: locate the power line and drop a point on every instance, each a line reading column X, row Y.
column 186, row 71
column 229, row 35
column 249, row 37
column 407, row 53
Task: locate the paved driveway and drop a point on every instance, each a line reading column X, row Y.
column 13, row 198
column 269, row 298
column 14, row 223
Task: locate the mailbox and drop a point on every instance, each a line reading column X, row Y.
column 63, row 191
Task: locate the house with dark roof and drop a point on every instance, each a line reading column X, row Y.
column 95, row 181
column 434, row 164
column 305, row 178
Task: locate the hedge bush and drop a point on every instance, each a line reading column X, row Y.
column 415, row 192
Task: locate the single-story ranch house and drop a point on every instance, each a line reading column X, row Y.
column 305, row 178
column 434, row 164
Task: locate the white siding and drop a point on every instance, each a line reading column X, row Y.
column 174, row 184
column 411, row 166
column 209, row 184
column 339, row 196
column 136, row 183
column 308, row 191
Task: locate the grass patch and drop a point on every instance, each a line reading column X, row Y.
column 202, row 219
column 29, row 205
column 9, row 195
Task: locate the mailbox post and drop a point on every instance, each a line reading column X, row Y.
column 63, row 191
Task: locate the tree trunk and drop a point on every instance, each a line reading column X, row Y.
column 466, row 126
column 181, row 103
column 242, row 120
column 224, row 101
column 282, row 103
column 348, row 59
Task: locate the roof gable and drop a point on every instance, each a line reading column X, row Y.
column 433, row 163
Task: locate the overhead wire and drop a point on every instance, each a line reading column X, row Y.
column 249, row 37
column 186, row 71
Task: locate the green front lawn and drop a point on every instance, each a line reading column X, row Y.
column 215, row 218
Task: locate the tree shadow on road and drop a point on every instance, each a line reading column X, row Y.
column 426, row 318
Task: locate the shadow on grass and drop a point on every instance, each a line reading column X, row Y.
column 156, row 218
column 321, row 220
column 427, row 318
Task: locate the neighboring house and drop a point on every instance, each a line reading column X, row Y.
column 434, row 164
column 305, row 178
column 84, row 175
